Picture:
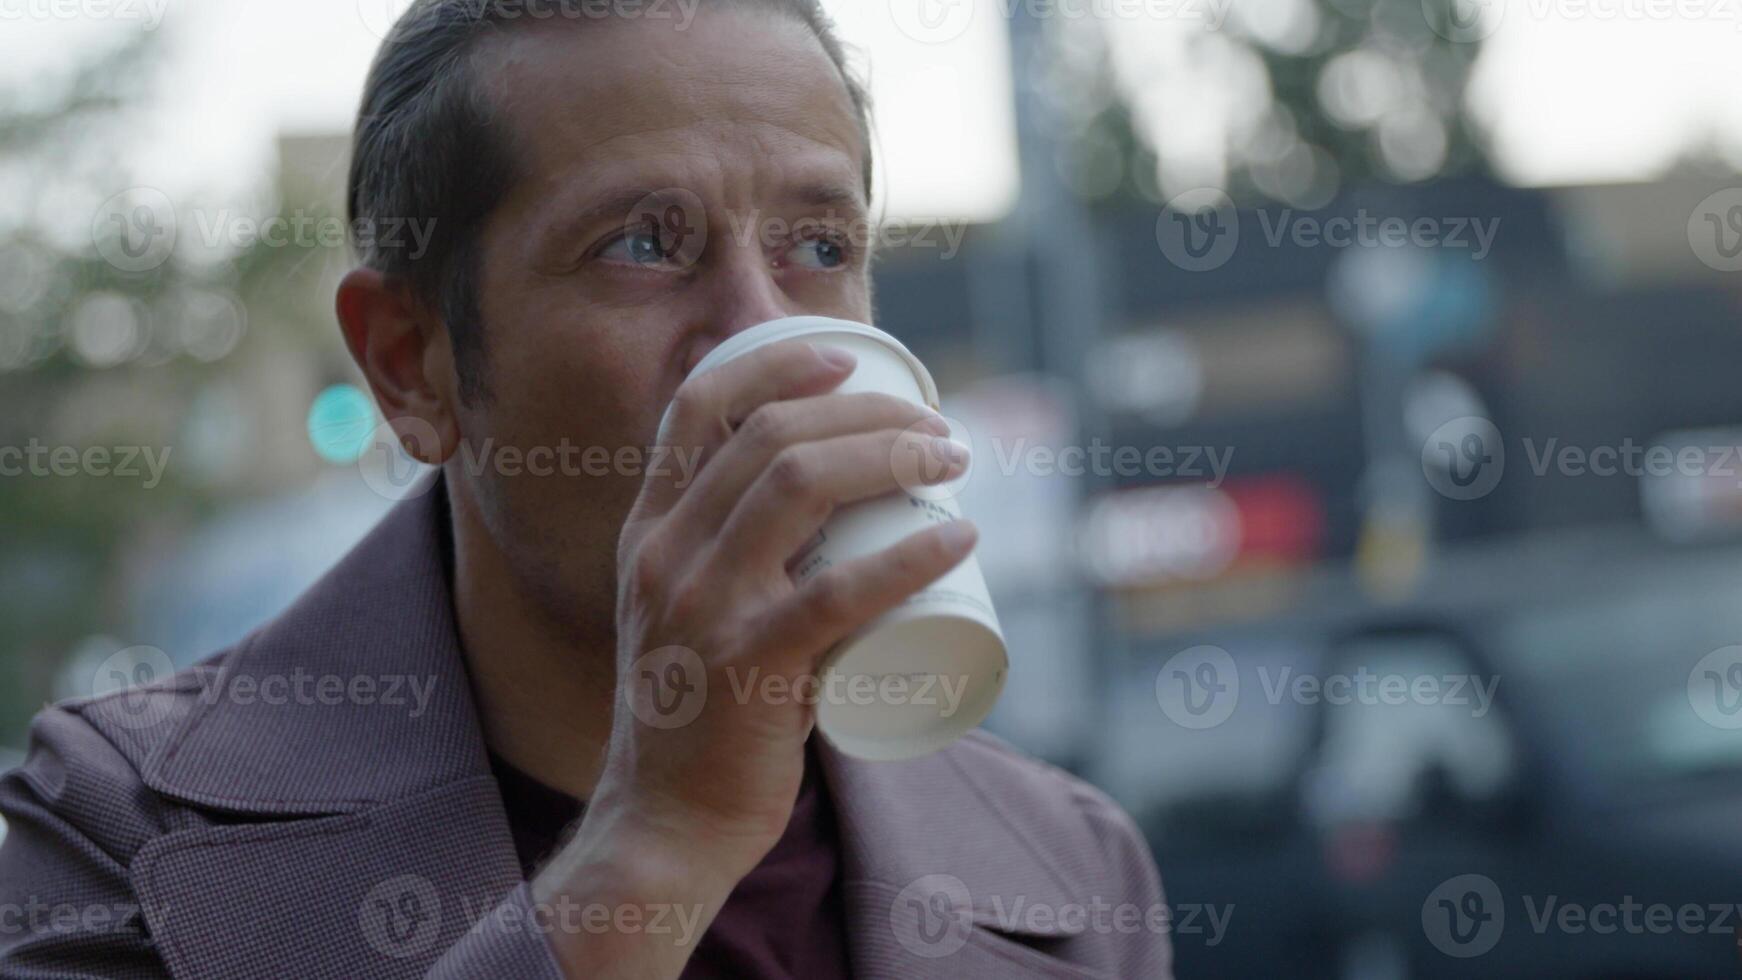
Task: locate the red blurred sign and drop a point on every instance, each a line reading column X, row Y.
column 1156, row 535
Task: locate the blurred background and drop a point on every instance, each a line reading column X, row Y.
column 1352, row 385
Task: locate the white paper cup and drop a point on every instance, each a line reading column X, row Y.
column 923, row 674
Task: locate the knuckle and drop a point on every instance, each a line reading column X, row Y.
column 829, row 599
column 896, row 407
column 767, row 427
column 686, row 602
column 793, row 473
column 695, row 399
column 647, row 567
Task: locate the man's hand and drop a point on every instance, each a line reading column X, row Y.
column 700, row 780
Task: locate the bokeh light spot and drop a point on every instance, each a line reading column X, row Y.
column 339, row 423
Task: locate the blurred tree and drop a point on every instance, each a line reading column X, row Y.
column 53, row 541
column 1284, row 100
column 114, row 333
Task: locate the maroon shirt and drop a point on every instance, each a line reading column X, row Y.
column 783, row 921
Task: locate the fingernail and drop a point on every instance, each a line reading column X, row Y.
column 959, row 535
column 934, row 424
column 951, row 450
column 835, row 357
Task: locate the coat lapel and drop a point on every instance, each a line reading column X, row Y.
column 938, row 882
column 365, row 832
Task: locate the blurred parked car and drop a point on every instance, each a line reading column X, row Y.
column 1584, row 824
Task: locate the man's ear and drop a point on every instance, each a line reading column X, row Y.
column 408, row 359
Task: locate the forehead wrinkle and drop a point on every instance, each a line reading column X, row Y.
column 781, row 93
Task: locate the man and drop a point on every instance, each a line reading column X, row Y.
column 326, row 829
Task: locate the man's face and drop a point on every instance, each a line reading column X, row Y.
column 676, row 187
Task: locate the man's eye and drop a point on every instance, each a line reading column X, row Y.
column 820, row 253
column 643, row 247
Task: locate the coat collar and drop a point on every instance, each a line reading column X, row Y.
column 383, row 620
column 319, row 711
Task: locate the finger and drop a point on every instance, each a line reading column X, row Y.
column 806, row 482
column 841, row 599
column 709, row 407
column 779, row 426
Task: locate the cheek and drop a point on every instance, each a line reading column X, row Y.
column 593, row 392
column 561, row 368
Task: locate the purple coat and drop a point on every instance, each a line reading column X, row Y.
column 317, row 803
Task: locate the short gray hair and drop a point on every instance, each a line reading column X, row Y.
column 428, row 146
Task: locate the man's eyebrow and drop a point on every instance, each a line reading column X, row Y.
column 830, row 195
column 616, row 207
column 623, row 208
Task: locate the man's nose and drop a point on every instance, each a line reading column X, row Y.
column 747, row 294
